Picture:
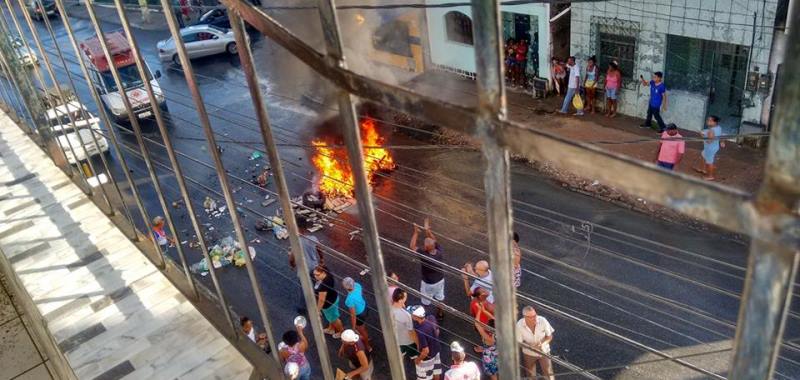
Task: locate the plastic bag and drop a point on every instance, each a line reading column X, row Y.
column 577, row 102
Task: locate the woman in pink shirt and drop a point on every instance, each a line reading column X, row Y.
column 613, row 81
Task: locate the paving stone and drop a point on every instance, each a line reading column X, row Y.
column 17, row 351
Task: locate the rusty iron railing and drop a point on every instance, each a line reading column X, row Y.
column 770, row 217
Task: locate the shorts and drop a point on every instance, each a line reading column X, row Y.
column 429, row 368
column 366, row 375
column 611, row 93
column 331, row 313
column 435, row 291
column 361, row 318
column 409, row 350
column 666, row 165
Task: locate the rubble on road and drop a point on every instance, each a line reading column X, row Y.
column 222, row 254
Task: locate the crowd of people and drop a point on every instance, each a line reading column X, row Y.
column 579, row 87
column 416, row 326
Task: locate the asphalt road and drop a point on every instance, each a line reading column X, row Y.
column 661, row 284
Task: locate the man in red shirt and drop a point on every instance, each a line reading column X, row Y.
column 671, row 148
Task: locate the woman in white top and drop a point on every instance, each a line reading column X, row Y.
column 534, row 333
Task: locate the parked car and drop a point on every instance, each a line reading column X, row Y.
column 200, row 41
column 36, row 12
column 25, row 55
column 218, row 17
column 86, row 125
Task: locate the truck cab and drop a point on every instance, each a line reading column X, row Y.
column 132, row 82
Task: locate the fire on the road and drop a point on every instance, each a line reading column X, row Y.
column 335, row 179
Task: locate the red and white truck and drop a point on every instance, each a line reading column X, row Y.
column 131, row 80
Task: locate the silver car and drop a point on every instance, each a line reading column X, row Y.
column 24, row 54
column 200, row 41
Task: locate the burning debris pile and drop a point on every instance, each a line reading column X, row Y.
column 335, row 178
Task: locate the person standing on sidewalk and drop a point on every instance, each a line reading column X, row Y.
column 590, row 83
column 489, row 352
column 671, row 148
column 573, row 86
column 534, row 332
column 711, row 145
column 461, row 369
column 432, row 284
column 613, row 81
column 327, row 300
column 357, row 306
column 658, row 100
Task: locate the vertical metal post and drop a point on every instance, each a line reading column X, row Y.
column 88, row 188
column 772, row 265
column 64, row 100
column 497, row 179
column 86, row 115
column 366, row 209
column 191, row 81
column 32, row 98
column 109, row 126
column 246, row 57
column 135, row 123
column 176, row 167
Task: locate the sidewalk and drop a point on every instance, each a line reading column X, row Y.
column 737, row 166
column 107, row 13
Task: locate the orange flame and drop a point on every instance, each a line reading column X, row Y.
column 335, row 177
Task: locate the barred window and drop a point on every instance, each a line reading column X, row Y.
column 393, row 37
column 459, row 27
column 613, row 47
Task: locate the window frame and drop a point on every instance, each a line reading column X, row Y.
column 456, row 26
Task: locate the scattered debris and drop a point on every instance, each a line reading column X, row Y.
column 315, row 228
column 177, row 204
column 256, row 155
column 209, row 204
column 364, row 272
column 353, row 234
column 267, row 202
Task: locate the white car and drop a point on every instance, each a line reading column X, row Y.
column 86, row 124
column 25, row 55
column 200, row 41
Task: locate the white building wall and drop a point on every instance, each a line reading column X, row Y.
column 462, row 56
column 728, row 21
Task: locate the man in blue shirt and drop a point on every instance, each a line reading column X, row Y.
column 658, row 100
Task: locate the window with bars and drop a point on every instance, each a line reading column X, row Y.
column 393, row 37
column 614, row 47
column 459, row 27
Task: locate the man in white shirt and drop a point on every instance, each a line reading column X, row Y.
column 534, row 333
column 484, row 278
column 461, row 369
column 573, row 84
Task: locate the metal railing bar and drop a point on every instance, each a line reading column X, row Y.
column 43, row 120
column 528, row 298
column 351, row 131
column 282, row 189
column 135, row 124
column 496, row 179
column 111, row 176
column 713, row 203
column 107, row 121
column 85, row 114
column 176, row 167
column 191, row 82
column 88, row 189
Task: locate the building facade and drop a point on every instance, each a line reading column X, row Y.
column 715, row 54
column 451, row 44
